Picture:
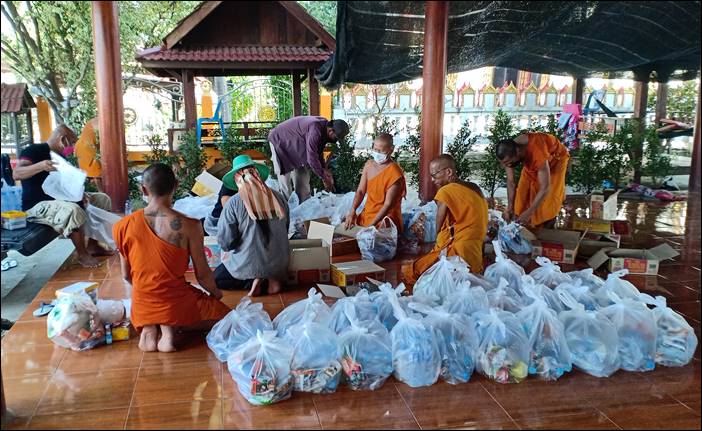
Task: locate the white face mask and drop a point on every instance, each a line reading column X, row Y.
column 379, row 157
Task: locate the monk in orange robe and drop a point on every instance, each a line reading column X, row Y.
column 384, row 182
column 539, row 196
column 86, row 152
column 155, row 246
column 461, row 220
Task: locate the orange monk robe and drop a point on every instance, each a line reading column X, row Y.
column 160, row 294
column 376, row 190
column 467, row 213
column 86, row 151
column 541, row 148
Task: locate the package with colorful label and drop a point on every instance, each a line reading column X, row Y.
column 636, row 261
column 213, row 253
column 309, row 262
column 348, row 273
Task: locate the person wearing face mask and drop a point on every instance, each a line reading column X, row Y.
column 66, row 218
column 384, row 182
column 461, row 220
column 297, row 147
column 539, row 196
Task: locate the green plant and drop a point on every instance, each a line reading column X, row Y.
column 158, row 151
column 586, row 171
column 656, row 162
column 408, row 154
column 461, row 149
column 618, row 155
column 193, row 160
column 490, row 172
column 682, row 100
column 346, row 166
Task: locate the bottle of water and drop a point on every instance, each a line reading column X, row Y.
column 128, row 207
column 11, row 197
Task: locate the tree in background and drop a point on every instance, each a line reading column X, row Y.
column 656, row 162
column 490, row 172
column 324, row 12
column 461, row 149
column 682, row 101
column 586, row 172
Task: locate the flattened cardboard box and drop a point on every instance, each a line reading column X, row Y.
column 560, row 246
column 309, row 262
column 348, row 273
column 593, row 242
column 342, row 241
column 206, row 184
column 637, row 261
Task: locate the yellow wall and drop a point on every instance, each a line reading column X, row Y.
column 325, row 105
column 43, row 118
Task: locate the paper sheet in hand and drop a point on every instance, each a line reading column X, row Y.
column 66, row 183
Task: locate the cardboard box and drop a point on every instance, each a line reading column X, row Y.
column 560, row 246
column 635, row 260
column 592, row 225
column 213, row 253
column 342, row 241
column 348, row 273
column 593, row 242
column 206, row 184
column 309, row 262
column 603, row 209
column 89, row 287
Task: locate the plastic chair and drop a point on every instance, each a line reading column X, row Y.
column 217, row 118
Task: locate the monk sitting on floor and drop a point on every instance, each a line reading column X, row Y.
column 155, row 246
column 539, row 196
column 461, row 220
column 384, row 182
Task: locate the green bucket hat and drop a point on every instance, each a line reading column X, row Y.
column 240, row 162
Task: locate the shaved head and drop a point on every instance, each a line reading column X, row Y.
column 62, row 136
column 159, row 180
column 444, row 161
column 384, row 141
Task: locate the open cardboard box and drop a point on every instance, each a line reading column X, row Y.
column 342, row 241
column 604, row 209
column 206, row 184
column 348, row 273
column 560, row 246
column 593, row 242
column 309, row 261
column 637, row 261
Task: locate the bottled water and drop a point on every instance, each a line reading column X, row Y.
column 11, row 197
column 128, row 207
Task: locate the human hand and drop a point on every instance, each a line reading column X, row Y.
column 350, row 220
column 48, row 165
column 508, row 214
column 524, row 218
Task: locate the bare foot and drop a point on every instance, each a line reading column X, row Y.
column 256, row 287
column 99, row 251
column 165, row 344
column 88, row 261
column 274, row 286
column 147, row 341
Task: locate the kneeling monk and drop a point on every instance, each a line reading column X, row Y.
column 384, row 182
column 539, row 196
column 461, row 220
column 155, row 246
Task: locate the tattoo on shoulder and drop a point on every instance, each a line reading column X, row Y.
column 153, row 213
column 176, row 223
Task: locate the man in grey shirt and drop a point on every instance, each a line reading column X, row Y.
column 297, row 145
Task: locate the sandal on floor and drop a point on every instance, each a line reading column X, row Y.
column 43, row 310
column 8, row 263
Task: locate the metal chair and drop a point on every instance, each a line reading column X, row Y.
column 217, row 118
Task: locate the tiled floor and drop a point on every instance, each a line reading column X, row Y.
column 118, row 386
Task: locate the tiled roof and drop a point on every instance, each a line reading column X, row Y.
column 277, row 53
column 13, row 98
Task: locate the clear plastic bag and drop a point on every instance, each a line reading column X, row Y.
column 441, row 279
column 111, row 310
column 676, row 341
column 637, row 331
column 378, row 244
column 296, row 312
column 238, row 327
column 364, row 309
column 549, row 273
column 503, row 351
column 504, row 268
column 511, row 239
column 261, row 369
column 66, row 183
column 467, row 300
column 316, row 361
column 549, row 357
column 504, row 297
column 382, row 305
column 616, row 284
column 366, row 354
column 530, row 286
column 457, row 340
column 589, row 279
column 592, row 338
column 197, row 207
column 98, row 225
column 580, row 292
column 74, row 323
column 415, row 352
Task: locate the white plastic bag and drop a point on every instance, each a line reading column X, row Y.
column 98, row 225
column 676, row 340
column 637, row 331
column 549, row 273
column 366, row 352
column 503, row 352
column 378, row 244
column 316, row 361
column 295, row 313
column 504, row 298
column 580, row 293
column 467, row 300
column 261, row 369
column 616, row 284
column 530, row 288
column 364, row 309
column 66, row 183
column 197, row 207
column 415, row 352
column 589, row 279
column 504, row 268
column 237, row 327
column 74, row 323
column 511, row 239
column 457, row 340
column 382, row 305
column 591, row 337
column 111, row 311
column 441, row 279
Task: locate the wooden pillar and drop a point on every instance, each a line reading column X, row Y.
column 189, row 98
column 694, row 183
column 578, row 89
column 661, row 101
column 433, row 81
column 108, row 74
column 640, row 102
column 297, row 94
column 314, row 93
